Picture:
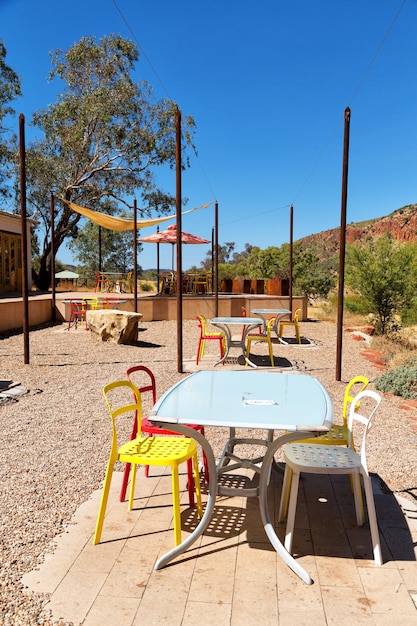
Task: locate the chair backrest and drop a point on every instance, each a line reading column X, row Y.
column 296, row 314
column 146, row 376
column 360, row 383
column 118, row 396
column 369, row 406
column 203, row 326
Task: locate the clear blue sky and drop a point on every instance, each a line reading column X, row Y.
column 267, row 84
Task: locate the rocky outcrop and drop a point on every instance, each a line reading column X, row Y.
column 114, row 325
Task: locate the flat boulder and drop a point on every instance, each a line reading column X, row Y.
column 114, row 325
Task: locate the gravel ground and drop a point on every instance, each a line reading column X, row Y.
column 55, row 435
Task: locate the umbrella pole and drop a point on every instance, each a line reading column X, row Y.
column 179, row 241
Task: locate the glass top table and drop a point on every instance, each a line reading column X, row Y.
column 266, row 314
column 225, row 323
column 297, row 404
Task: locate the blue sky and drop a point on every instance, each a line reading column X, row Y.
column 267, row 84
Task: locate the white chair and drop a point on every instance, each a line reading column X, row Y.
column 319, row 459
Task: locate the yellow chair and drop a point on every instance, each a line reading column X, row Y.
column 262, row 337
column 294, row 323
column 318, row 459
column 200, row 284
column 158, row 451
column 126, row 284
column 205, row 335
column 338, row 435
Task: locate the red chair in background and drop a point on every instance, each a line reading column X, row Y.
column 149, row 385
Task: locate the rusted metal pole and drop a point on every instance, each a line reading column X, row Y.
column 52, row 209
column 25, row 284
column 291, row 255
column 342, row 246
column 135, row 254
column 179, row 241
column 216, row 258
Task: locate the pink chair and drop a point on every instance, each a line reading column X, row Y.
column 151, row 429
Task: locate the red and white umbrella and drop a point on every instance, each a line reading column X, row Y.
column 169, row 235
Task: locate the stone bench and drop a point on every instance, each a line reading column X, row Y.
column 114, row 325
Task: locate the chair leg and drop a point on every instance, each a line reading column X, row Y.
column 197, row 486
column 297, row 333
column 190, row 483
column 176, row 505
column 289, row 532
column 132, row 487
column 103, row 503
column 124, row 482
column 271, row 353
column 357, row 494
column 373, row 524
column 198, row 357
column 285, row 493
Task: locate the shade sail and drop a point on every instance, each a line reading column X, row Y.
column 120, row 223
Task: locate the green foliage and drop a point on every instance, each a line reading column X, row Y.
column 9, row 90
column 146, row 286
column 102, row 140
column 384, row 273
column 401, row 381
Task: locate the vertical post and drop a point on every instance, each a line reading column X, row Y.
column 179, row 242
column 342, row 246
column 52, row 208
column 99, row 250
column 25, row 285
column 216, row 257
column 135, row 254
column 291, row 257
column 157, row 263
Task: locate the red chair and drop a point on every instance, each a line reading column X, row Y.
column 78, row 313
column 205, row 335
column 151, row 429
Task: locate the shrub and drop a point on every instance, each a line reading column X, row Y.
column 146, row 287
column 401, row 381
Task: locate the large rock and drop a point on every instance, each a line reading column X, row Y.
column 114, row 325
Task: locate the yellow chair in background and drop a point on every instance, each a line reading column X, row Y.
column 126, row 284
column 262, row 337
column 158, row 451
column 294, row 323
column 205, row 335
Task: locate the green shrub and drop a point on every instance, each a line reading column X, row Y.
column 401, row 381
column 146, row 287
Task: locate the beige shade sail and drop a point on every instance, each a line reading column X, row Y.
column 120, row 223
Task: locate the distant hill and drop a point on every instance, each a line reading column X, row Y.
column 401, row 224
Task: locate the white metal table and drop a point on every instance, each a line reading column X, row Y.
column 266, row 314
column 225, row 323
column 295, row 403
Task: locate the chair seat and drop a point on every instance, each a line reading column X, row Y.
column 336, row 436
column 164, row 451
column 314, row 458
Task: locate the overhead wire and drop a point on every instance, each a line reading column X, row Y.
column 355, row 93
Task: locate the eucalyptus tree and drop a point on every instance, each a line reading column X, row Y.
column 10, row 89
column 101, row 141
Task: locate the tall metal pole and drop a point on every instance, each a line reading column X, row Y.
column 52, row 208
column 179, row 241
column 157, row 263
column 25, row 284
column 135, row 254
column 291, row 256
column 216, row 257
column 342, row 246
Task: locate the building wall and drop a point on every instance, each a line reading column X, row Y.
column 11, row 252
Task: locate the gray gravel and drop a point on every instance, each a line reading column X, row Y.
column 55, row 434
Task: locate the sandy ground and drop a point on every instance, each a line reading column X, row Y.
column 55, row 435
